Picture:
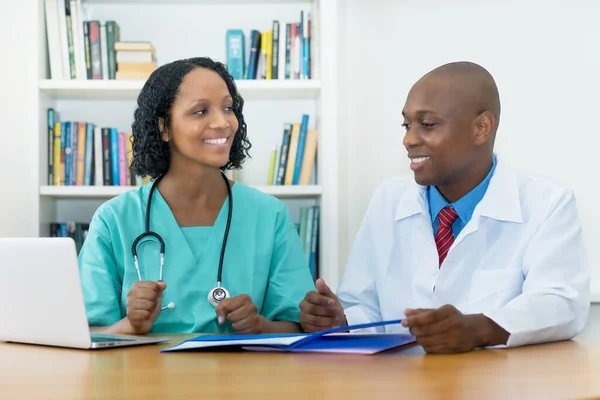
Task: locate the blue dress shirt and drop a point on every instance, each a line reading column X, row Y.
column 464, row 206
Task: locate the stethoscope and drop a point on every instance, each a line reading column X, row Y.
column 218, row 293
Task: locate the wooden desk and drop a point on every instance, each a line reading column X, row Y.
column 560, row 370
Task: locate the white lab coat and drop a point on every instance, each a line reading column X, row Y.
column 520, row 260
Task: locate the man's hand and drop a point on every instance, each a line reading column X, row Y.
column 447, row 330
column 143, row 305
column 242, row 313
column 321, row 309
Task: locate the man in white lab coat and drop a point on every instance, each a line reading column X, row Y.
column 469, row 253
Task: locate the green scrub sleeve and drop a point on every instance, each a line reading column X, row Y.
column 100, row 283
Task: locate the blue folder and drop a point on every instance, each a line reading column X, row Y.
column 336, row 340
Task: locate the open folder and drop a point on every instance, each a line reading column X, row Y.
column 336, row 340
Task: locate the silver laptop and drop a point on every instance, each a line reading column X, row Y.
column 41, row 299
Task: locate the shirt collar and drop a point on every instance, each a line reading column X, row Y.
column 464, row 206
column 501, row 200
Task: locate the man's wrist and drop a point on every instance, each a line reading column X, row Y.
column 486, row 332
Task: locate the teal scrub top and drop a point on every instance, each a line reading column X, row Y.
column 263, row 258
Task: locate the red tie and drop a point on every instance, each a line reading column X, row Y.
column 444, row 236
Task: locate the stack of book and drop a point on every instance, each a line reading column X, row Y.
column 91, row 49
column 294, row 163
column 135, row 60
column 81, row 153
column 282, row 52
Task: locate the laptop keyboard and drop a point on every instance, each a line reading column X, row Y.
column 100, row 338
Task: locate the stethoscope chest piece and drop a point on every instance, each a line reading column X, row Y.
column 217, row 295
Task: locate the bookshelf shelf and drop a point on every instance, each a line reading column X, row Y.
column 129, row 90
column 106, row 192
column 199, row 2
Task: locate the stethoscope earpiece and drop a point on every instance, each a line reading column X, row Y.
column 217, row 294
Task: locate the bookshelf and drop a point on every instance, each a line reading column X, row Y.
column 188, row 28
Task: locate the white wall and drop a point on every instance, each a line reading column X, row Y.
column 18, row 115
column 545, row 56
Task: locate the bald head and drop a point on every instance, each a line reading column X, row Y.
column 451, row 116
column 468, row 85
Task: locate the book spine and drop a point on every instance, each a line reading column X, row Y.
column 122, row 160
column 300, row 152
column 68, row 153
column 89, row 154
column 114, row 155
column 87, row 46
column 74, row 146
column 95, row 50
column 50, row 146
column 275, row 51
column 235, row 53
column 103, row 51
column 272, row 166
column 81, row 148
column 57, row 154
column 111, row 38
column 288, row 49
column 63, row 147
column 106, row 161
column 70, row 46
column 98, row 159
column 292, row 154
column 313, row 245
column 283, row 155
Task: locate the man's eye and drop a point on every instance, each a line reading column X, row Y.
column 406, row 126
column 428, row 125
column 200, row 112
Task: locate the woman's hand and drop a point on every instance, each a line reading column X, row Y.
column 242, row 313
column 143, row 305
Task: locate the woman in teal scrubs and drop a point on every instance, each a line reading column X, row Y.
column 187, row 129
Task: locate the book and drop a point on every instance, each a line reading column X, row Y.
column 335, row 340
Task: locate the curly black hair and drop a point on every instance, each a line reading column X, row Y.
column 151, row 156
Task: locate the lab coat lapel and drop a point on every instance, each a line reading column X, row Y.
column 413, row 204
column 500, row 202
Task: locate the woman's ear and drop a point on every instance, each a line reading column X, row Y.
column 162, row 127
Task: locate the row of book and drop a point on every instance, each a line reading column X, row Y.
column 91, row 49
column 282, row 52
column 83, row 154
column 308, row 229
column 294, row 162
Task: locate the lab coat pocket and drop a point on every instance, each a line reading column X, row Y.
column 496, row 286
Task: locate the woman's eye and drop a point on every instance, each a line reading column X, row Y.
column 200, row 112
column 229, row 108
column 428, row 125
column 406, row 126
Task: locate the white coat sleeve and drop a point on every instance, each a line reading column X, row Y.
column 357, row 291
column 554, row 303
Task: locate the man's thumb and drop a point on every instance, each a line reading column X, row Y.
column 323, row 289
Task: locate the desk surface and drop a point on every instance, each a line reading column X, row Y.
column 559, row 370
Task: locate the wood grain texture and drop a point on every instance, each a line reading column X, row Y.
column 560, row 370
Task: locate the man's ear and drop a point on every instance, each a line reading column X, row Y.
column 484, row 127
column 162, row 127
